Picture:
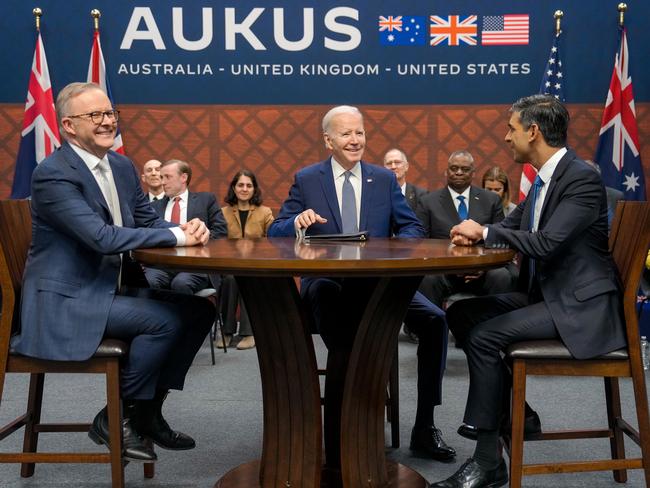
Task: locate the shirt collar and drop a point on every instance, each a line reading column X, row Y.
column 548, row 168
column 89, row 159
column 455, row 194
column 184, row 196
column 338, row 170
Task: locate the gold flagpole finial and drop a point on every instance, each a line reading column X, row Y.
column 37, row 16
column 622, row 7
column 558, row 21
column 96, row 14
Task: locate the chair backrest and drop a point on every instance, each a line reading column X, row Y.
column 628, row 242
column 15, row 238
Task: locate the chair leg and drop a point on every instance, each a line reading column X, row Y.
column 392, row 409
column 211, row 340
column 113, row 408
column 518, row 415
column 149, row 470
column 641, row 403
column 34, row 405
column 617, row 441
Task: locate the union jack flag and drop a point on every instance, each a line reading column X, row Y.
column 97, row 74
column 390, row 23
column 40, row 132
column 552, row 84
column 453, row 29
column 618, row 152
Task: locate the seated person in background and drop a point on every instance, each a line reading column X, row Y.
column 179, row 206
column 496, row 180
column 88, row 212
column 568, row 287
column 440, row 210
column 395, row 160
column 246, row 217
column 330, row 197
column 152, row 180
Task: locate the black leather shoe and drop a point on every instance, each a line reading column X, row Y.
column 471, row 475
column 152, row 425
column 428, row 443
column 133, row 446
column 532, row 428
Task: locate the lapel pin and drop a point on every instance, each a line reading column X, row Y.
column 369, row 180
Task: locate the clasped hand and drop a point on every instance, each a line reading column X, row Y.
column 467, row 233
column 195, row 232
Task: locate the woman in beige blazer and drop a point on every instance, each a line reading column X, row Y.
column 246, row 218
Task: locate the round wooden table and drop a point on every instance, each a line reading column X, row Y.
column 292, row 452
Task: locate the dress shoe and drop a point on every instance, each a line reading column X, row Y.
column 133, row 446
column 227, row 338
column 247, row 342
column 471, row 475
column 411, row 336
column 152, row 425
column 428, row 443
column 532, row 428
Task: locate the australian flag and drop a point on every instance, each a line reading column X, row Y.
column 618, row 146
column 552, row 84
column 40, row 132
column 402, row 30
column 97, row 74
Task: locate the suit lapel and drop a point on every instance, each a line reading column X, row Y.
column 448, row 205
column 367, row 191
column 329, row 191
column 191, row 205
column 561, row 167
column 121, row 178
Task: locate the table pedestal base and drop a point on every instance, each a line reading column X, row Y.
column 248, row 474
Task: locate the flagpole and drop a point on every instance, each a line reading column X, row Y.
column 37, row 17
column 622, row 7
column 558, row 21
column 95, row 14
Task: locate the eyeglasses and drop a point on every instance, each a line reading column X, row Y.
column 98, row 117
column 463, row 169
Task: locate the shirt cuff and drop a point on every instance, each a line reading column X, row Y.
column 179, row 234
column 485, row 232
column 300, row 233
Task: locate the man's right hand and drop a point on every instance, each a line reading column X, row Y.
column 192, row 239
column 307, row 218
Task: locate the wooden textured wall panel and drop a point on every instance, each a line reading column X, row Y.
column 275, row 141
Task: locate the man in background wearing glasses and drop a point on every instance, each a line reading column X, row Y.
column 88, row 212
column 440, row 210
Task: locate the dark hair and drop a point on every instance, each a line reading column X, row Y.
column 231, row 198
column 548, row 113
column 497, row 174
column 183, row 167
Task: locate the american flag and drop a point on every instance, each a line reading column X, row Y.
column 453, row 30
column 505, row 30
column 552, row 84
column 97, row 74
column 402, row 30
column 40, row 132
column 618, row 153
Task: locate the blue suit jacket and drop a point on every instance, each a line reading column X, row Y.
column 383, row 207
column 73, row 263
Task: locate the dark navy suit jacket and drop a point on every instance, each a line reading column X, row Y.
column 383, row 207
column 73, row 263
column 202, row 205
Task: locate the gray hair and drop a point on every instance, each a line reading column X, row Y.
column 462, row 153
column 69, row 92
column 402, row 154
column 341, row 109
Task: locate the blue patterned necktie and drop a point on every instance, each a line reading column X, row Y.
column 348, row 207
column 462, row 208
column 537, row 185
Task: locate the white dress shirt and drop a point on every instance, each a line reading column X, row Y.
column 455, row 194
column 183, row 204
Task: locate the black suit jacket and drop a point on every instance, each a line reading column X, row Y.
column 202, row 205
column 413, row 195
column 574, row 270
column 438, row 214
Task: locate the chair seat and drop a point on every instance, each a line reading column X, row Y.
column 552, row 349
column 106, row 348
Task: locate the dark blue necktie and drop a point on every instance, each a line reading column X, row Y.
column 462, row 208
column 537, row 185
column 348, row 207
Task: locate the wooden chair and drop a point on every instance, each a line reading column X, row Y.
column 629, row 241
column 15, row 237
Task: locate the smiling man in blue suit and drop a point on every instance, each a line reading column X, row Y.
column 88, row 212
column 345, row 194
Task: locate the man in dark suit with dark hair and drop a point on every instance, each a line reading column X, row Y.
column 568, row 286
column 88, row 212
column 396, row 161
column 345, row 194
column 179, row 206
column 440, row 210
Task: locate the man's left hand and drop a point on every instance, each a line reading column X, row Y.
column 467, row 233
column 197, row 228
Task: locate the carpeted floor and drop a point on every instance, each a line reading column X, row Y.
column 221, row 407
